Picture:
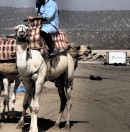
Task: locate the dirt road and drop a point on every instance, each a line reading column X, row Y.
column 98, row 106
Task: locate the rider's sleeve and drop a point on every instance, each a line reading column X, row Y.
column 49, row 11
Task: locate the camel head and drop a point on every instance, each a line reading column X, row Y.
column 78, row 50
column 21, row 35
column 84, row 50
column 21, row 31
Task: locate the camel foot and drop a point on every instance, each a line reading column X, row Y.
column 67, row 127
column 55, row 128
column 20, row 125
column 33, row 130
column 6, row 116
column 12, row 113
column 2, row 117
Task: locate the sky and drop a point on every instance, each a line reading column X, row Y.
column 75, row 5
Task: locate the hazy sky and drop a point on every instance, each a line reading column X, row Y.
column 80, row 5
column 87, row 5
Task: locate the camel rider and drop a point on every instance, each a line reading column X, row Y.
column 48, row 10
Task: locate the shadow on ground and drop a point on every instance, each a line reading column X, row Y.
column 46, row 124
column 43, row 124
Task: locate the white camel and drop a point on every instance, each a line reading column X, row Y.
column 35, row 70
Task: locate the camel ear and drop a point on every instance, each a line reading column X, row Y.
column 16, row 28
column 68, row 47
column 78, row 47
column 26, row 28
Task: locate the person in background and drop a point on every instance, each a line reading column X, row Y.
column 49, row 12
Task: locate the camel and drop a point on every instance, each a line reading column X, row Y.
column 6, row 85
column 78, row 50
column 34, row 71
column 8, row 72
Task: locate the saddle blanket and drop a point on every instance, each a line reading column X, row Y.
column 60, row 39
column 7, row 48
column 8, row 45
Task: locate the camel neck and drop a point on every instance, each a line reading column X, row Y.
column 21, row 47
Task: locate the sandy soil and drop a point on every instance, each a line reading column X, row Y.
column 98, row 106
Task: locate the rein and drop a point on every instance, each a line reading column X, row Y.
column 35, row 71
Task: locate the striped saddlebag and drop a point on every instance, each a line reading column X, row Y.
column 36, row 42
column 7, row 48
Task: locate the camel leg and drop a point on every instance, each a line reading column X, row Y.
column 27, row 99
column 68, row 88
column 0, row 95
column 1, row 82
column 13, row 97
column 60, row 85
column 26, row 104
column 6, row 97
column 69, row 104
column 37, row 93
column 32, row 114
column 35, row 104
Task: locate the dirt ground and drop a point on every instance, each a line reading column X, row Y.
column 98, row 106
